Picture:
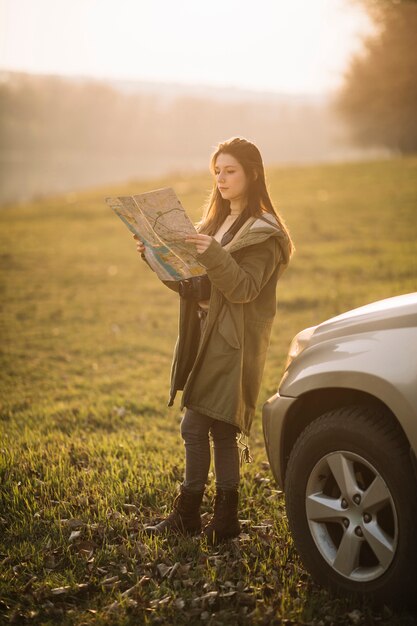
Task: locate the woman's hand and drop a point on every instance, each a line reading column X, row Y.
column 202, row 242
column 139, row 245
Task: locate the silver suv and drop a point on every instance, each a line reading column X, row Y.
column 341, row 438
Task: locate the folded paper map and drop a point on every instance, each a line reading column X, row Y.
column 161, row 223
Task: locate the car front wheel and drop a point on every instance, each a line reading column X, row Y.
column 351, row 503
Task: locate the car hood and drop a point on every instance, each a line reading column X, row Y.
column 396, row 312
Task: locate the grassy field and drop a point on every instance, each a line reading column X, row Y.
column 90, row 452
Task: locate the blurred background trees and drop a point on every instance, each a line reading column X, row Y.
column 61, row 134
column 379, row 96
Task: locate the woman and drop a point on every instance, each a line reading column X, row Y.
column 223, row 337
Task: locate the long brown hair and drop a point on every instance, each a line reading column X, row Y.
column 259, row 202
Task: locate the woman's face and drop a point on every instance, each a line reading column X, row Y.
column 231, row 179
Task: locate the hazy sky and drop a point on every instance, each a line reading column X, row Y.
column 274, row 45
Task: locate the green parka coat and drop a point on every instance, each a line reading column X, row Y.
column 220, row 372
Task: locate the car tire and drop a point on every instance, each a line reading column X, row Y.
column 352, row 505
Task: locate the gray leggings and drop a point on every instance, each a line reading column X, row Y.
column 195, row 429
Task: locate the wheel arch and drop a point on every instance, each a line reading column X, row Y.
column 311, row 404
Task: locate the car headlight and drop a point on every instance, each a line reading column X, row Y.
column 299, row 343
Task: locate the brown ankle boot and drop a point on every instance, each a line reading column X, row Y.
column 185, row 517
column 224, row 523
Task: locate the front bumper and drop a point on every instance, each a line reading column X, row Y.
column 274, row 414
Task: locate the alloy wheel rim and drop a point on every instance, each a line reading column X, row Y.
column 352, row 516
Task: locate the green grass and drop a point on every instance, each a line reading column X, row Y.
column 87, row 339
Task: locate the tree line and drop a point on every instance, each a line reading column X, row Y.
column 377, row 102
column 49, row 113
column 379, row 95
